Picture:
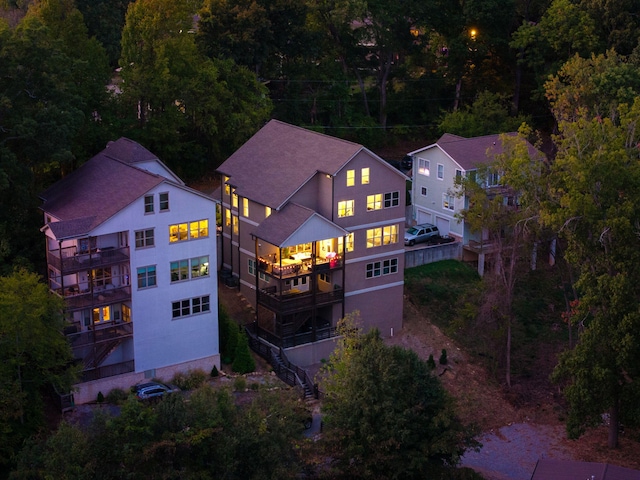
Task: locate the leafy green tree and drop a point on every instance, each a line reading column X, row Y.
column 189, row 108
column 593, row 86
column 503, row 201
column 489, row 114
column 105, row 20
column 33, row 355
column 386, row 414
column 596, row 211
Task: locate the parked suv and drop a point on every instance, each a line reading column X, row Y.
column 421, row 233
column 151, row 390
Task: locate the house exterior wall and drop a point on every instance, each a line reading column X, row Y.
column 430, row 208
column 378, row 298
column 160, row 340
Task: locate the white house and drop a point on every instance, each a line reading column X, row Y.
column 129, row 248
column 435, row 168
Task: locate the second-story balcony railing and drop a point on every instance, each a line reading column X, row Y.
column 295, row 301
column 69, row 260
column 76, row 299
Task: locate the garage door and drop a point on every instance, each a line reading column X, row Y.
column 423, row 217
column 443, row 225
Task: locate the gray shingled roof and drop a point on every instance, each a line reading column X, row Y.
column 280, row 158
column 98, row 189
column 471, row 152
column 278, row 227
column 128, row 151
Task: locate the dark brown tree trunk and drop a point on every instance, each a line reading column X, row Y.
column 614, row 424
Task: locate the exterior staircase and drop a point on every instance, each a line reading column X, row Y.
column 288, row 372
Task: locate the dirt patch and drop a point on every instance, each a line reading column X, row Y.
column 519, row 425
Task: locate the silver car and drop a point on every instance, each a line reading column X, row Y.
column 153, row 390
column 421, row 233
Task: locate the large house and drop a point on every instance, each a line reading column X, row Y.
column 435, row 168
column 129, row 248
column 311, row 231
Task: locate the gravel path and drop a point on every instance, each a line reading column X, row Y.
column 511, row 452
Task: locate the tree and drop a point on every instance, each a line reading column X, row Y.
column 593, row 86
column 187, row 107
column 33, row 355
column 504, row 198
column 243, row 361
column 386, row 415
column 596, row 211
column 488, row 114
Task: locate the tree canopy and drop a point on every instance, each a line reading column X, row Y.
column 386, row 413
column 33, row 355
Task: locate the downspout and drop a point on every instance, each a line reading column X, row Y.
column 344, row 268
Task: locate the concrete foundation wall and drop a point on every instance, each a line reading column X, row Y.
column 88, row 392
column 311, row 353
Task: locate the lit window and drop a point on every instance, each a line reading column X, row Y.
column 377, row 237
column 423, row 167
column 351, row 178
column 199, row 228
column 148, row 204
column 164, row 201
column 374, row 237
column 374, row 202
column 234, row 200
column 390, row 234
column 349, row 245
column 227, row 217
column 448, row 202
column 144, row 238
column 440, row 171
column 227, row 188
column 345, row 208
column 126, row 313
column 267, row 212
column 391, row 199
column 245, row 207
column 234, row 224
column 101, row 315
column 147, row 276
column 188, row 231
column 365, row 176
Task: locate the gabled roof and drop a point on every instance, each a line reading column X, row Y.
column 98, row 190
column 468, row 153
column 280, row 158
column 295, row 224
column 552, row 469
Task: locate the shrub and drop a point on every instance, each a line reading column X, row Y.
column 214, row 371
column 240, row 384
column 254, row 386
column 117, row 396
column 443, row 357
column 190, row 380
column 431, row 363
column 100, row 397
column 243, row 361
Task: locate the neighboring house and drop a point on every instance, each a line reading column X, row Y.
column 552, row 469
column 312, row 230
column 129, row 248
column 435, row 169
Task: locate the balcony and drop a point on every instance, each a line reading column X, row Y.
column 68, row 260
column 292, row 267
column 293, row 301
column 76, row 299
